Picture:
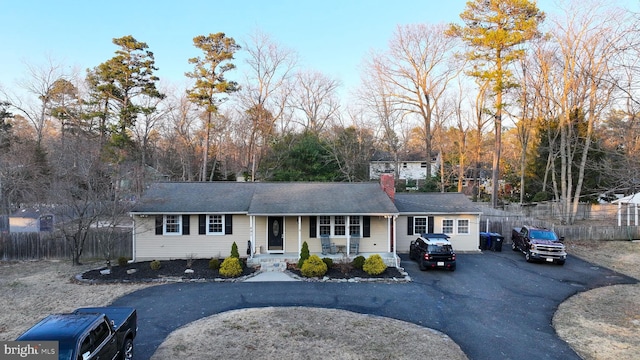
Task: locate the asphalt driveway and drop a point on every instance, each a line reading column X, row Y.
column 495, row 305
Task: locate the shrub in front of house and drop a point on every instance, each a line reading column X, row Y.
column 234, row 250
column 123, row 261
column 155, row 265
column 374, row 265
column 358, row 262
column 231, row 267
column 214, row 264
column 304, row 254
column 313, row 267
column 328, row 261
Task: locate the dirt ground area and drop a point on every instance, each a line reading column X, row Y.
column 599, row 324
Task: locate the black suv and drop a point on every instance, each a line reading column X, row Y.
column 433, row 251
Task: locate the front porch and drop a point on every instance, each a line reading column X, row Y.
column 277, row 262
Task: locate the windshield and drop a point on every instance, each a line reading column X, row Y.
column 543, row 235
column 440, row 249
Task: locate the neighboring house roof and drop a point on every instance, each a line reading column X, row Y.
column 386, row 156
column 31, row 212
column 287, row 198
column 435, row 203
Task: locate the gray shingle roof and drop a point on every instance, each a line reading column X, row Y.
column 196, row 197
column 436, row 203
column 266, row 198
column 321, row 198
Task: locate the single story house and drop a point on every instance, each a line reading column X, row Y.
column 176, row 220
column 449, row 213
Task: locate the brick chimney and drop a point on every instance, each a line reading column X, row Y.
column 388, row 184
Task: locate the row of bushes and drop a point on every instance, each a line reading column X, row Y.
column 309, row 265
column 314, row 266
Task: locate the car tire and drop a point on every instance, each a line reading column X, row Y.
column 127, row 349
column 560, row 262
column 421, row 265
column 527, row 256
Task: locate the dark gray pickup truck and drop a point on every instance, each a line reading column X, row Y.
column 538, row 244
column 89, row 333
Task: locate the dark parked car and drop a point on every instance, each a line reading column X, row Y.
column 89, row 333
column 538, row 244
column 433, row 251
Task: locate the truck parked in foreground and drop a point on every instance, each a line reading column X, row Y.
column 89, row 333
column 539, row 244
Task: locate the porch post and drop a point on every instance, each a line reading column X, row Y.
column 393, row 239
column 619, row 213
column 348, row 231
column 389, row 238
column 299, row 233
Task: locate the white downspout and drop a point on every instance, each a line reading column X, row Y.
column 133, row 239
column 252, row 236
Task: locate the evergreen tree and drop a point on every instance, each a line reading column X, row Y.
column 210, row 82
column 495, row 31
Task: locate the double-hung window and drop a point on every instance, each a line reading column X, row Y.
column 215, row 225
column 337, row 225
column 355, row 226
column 463, row 226
column 447, row 226
column 325, row 225
column 420, row 225
column 172, row 224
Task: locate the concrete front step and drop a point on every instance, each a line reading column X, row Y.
column 273, row 265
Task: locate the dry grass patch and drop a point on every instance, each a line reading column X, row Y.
column 604, row 323
column 305, row 333
column 31, row 290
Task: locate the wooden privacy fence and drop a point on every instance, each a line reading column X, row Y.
column 504, row 224
column 45, row 245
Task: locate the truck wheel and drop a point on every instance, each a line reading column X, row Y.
column 560, row 262
column 527, row 256
column 127, row 349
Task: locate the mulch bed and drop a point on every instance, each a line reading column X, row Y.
column 175, row 270
column 341, row 272
column 169, row 270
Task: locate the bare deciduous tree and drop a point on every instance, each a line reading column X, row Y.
column 417, row 68
column 263, row 101
column 315, row 99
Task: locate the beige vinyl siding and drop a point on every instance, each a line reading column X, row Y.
column 149, row 246
column 460, row 242
column 376, row 243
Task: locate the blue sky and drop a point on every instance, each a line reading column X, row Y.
column 331, row 36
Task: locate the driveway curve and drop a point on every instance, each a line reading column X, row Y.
column 495, row 305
